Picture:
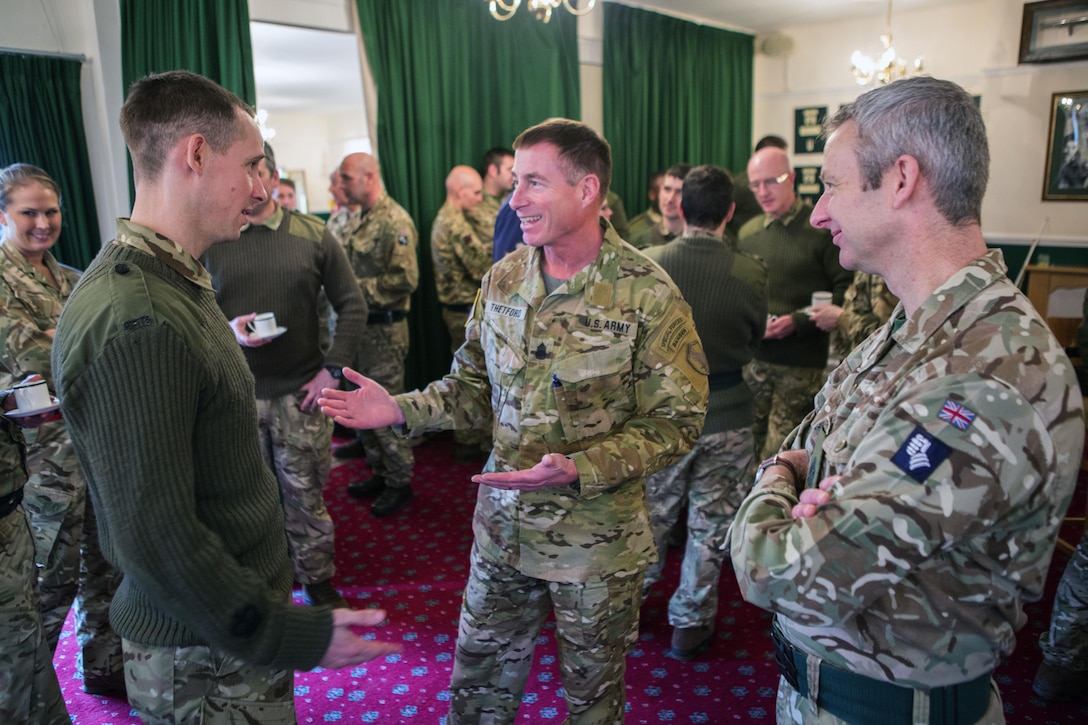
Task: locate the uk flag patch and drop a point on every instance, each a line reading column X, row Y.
column 920, row 454
column 957, row 415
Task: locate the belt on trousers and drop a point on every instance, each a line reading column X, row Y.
column 384, row 318
column 10, row 502
column 463, row 307
column 857, row 698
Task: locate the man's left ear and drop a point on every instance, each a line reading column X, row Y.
column 591, row 190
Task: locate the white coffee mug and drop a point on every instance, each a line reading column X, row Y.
column 264, row 324
column 820, row 299
column 32, row 396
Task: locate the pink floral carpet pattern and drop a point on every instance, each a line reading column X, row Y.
column 414, row 564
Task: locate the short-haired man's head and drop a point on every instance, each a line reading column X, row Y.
column 582, row 150
column 493, row 157
column 708, row 196
column 164, row 107
column 270, row 159
column 679, row 171
column 771, row 140
column 936, row 122
column 17, row 176
column 289, row 183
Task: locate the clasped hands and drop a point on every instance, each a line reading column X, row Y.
column 810, row 498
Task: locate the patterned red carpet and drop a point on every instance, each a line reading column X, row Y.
column 414, row 564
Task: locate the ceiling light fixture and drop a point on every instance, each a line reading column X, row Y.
column 542, row 9
column 886, row 67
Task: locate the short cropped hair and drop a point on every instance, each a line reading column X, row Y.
column 164, row 107
column 708, row 195
column 288, row 182
column 493, row 156
column 936, row 122
column 270, row 159
column 679, row 171
column 582, row 150
column 17, row 176
column 771, row 140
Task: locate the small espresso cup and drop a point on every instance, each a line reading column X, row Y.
column 820, row 299
column 32, row 396
column 264, row 324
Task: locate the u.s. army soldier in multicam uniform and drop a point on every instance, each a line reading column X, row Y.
column 941, row 455
column 381, row 247
column 33, row 289
column 588, row 355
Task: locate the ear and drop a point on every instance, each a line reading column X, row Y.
column 196, row 152
column 590, row 189
column 728, row 214
column 903, row 179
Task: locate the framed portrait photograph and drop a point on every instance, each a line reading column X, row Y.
column 1067, row 148
column 1054, row 31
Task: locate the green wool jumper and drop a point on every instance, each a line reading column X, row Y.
column 161, row 408
column 800, row 260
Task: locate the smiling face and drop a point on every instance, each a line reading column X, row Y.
column 233, row 186
column 32, row 220
column 771, row 180
column 857, row 218
column 552, row 211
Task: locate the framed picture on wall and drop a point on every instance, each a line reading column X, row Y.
column 1067, row 148
column 1053, row 31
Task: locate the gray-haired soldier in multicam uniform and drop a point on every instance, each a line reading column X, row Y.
column 588, row 355
column 909, row 516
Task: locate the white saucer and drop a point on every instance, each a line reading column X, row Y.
column 270, row 336
column 26, row 413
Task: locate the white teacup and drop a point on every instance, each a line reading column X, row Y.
column 32, row 396
column 264, row 324
column 820, row 299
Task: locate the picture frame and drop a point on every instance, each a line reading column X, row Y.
column 1067, row 148
column 1053, row 31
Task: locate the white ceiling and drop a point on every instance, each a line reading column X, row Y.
column 300, row 68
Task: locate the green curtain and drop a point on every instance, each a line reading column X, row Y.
column 453, row 82
column 674, row 92
column 41, row 123
column 209, row 37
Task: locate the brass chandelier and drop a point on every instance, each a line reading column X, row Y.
column 886, row 67
column 542, row 9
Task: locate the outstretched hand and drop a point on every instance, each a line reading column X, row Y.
column 553, row 471
column 368, row 406
column 346, row 647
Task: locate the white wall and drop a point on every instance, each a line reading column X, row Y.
column 974, row 44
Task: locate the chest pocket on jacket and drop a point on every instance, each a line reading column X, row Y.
column 593, row 390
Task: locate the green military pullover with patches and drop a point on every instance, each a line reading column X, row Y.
column 727, row 291
column 800, row 260
column 161, row 408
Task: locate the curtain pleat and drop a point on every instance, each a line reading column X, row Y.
column 674, row 92
column 41, row 123
column 453, row 82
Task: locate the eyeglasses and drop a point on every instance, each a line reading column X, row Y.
column 769, row 183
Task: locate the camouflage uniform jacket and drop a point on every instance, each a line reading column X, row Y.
column 482, row 218
column 29, row 306
column 12, row 455
column 341, row 222
column 381, row 248
column 867, row 305
column 957, row 433
column 608, row 370
column 460, row 258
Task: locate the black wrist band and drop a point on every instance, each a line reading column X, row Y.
column 775, row 460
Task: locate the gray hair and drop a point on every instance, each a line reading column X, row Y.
column 936, row 122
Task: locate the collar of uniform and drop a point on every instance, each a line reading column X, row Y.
column 595, row 281
column 19, row 260
column 703, row 238
column 273, row 222
column 947, row 299
column 163, row 249
column 786, row 218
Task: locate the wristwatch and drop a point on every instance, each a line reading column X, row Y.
column 776, row 461
column 335, row 371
